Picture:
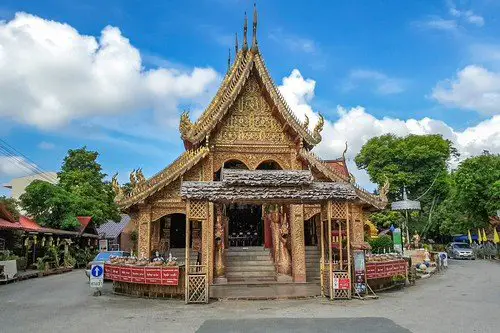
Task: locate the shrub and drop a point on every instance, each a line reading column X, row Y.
column 381, row 243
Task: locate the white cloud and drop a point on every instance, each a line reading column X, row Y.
column 50, row 75
column 15, row 166
column 468, row 15
column 474, row 88
column 382, row 84
column 438, row 23
column 357, row 126
column 46, row 145
column 295, row 43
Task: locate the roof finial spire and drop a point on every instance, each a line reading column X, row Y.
column 254, row 39
column 229, row 60
column 236, row 44
column 245, row 28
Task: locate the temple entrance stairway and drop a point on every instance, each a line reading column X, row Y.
column 313, row 258
column 180, row 254
column 251, row 264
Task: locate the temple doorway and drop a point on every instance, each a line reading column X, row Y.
column 245, row 225
column 177, row 231
column 310, row 231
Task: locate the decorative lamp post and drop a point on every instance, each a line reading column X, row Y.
column 405, row 206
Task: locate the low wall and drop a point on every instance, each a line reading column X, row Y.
column 150, row 290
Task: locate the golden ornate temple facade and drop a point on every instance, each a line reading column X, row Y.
column 248, row 180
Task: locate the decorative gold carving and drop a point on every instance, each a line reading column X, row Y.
column 116, row 187
column 250, row 119
column 306, row 122
column 144, row 229
column 220, row 268
column 385, row 190
column 310, row 211
column 186, row 161
column 133, row 180
column 185, row 125
column 140, row 176
column 318, row 128
column 297, row 242
column 251, row 160
column 284, row 260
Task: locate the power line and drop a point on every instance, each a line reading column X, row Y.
column 24, row 162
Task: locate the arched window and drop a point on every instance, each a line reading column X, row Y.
column 269, row 165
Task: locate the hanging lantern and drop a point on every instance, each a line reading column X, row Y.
column 27, row 242
column 57, row 241
column 34, row 240
column 51, row 240
column 43, row 241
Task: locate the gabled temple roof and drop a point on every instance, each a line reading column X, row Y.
column 246, row 61
column 176, row 169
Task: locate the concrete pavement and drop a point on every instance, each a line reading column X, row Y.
column 466, row 298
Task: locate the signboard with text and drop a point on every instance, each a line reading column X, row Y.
column 167, row 276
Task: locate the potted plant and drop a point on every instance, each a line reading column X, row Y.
column 399, row 280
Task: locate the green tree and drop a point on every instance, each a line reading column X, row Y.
column 82, row 176
column 12, row 206
column 418, row 162
column 50, row 205
column 81, row 191
column 477, row 182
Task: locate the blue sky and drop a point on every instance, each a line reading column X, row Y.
column 370, row 67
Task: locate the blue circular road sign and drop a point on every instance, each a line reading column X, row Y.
column 97, row 271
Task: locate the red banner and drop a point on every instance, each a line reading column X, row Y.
column 168, row 276
column 380, row 270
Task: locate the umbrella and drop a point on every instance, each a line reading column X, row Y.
column 469, row 236
column 479, row 240
column 496, row 239
column 485, row 239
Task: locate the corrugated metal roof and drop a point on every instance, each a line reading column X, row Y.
column 112, row 229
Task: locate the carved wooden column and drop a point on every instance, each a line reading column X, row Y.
column 297, row 244
column 144, row 230
column 357, row 226
column 208, row 239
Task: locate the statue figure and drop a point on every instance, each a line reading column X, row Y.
column 352, row 179
column 116, row 187
column 140, row 176
column 185, row 124
column 306, row 121
column 319, row 127
column 285, row 260
column 385, row 190
column 133, row 180
column 220, row 269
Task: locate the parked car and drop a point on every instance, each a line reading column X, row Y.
column 103, row 257
column 458, row 250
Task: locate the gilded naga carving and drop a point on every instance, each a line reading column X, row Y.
column 116, row 187
column 133, row 180
column 185, row 125
column 140, row 176
column 318, row 128
column 306, row 122
column 385, row 190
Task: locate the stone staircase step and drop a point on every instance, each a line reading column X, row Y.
column 230, row 275
column 259, row 268
column 249, row 263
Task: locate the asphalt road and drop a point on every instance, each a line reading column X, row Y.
column 466, row 298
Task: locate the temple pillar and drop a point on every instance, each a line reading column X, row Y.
column 268, row 237
column 208, row 239
column 357, row 226
column 297, row 243
column 144, row 230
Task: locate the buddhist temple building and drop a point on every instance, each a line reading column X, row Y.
column 248, row 200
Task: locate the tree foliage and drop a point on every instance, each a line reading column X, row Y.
column 477, row 182
column 12, row 206
column 81, row 191
column 417, row 162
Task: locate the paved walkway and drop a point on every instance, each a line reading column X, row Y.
column 464, row 299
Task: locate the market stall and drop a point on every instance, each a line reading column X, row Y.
column 386, row 270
